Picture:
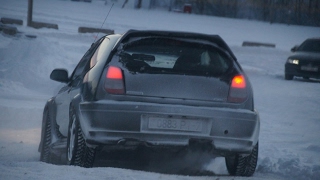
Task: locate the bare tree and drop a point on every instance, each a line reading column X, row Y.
column 139, row 4
column 303, row 12
column 124, row 3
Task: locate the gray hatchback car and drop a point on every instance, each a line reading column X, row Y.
column 153, row 89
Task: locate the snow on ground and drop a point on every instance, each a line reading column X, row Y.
column 289, row 110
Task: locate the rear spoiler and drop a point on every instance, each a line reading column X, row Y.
column 216, row 39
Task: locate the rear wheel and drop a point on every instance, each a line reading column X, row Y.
column 288, row 77
column 45, row 154
column 243, row 165
column 78, row 153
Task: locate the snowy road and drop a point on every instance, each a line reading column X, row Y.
column 289, row 110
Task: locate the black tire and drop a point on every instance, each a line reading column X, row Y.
column 288, row 77
column 45, row 154
column 243, row 165
column 78, row 153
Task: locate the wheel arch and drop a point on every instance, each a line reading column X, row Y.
column 75, row 104
column 82, row 155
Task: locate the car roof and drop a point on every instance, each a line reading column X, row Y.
column 178, row 34
column 314, row 38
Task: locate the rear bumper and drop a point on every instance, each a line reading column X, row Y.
column 112, row 122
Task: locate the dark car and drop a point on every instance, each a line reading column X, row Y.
column 305, row 62
column 156, row 89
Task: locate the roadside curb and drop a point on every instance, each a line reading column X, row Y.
column 11, row 21
column 10, row 30
column 38, row 25
column 250, row 43
column 95, row 30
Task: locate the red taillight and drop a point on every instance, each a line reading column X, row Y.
column 114, row 81
column 238, row 89
column 238, row 82
column 114, row 73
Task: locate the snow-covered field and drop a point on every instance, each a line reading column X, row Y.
column 289, row 110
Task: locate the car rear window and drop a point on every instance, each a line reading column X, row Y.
column 161, row 55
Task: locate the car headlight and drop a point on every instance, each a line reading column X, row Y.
column 293, row 61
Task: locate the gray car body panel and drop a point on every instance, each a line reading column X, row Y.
column 110, row 122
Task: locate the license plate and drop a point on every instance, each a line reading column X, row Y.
column 309, row 68
column 193, row 125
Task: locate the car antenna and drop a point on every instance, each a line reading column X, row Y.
column 104, row 22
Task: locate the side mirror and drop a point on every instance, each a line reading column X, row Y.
column 60, row 75
column 294, row 49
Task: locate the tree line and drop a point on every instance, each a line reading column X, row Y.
column 299, row 12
